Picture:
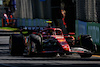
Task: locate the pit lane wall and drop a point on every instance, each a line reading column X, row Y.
column 90, row 28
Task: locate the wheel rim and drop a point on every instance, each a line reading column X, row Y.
column 33, row 47
column 28, row 48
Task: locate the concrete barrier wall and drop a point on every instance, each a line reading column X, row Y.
column 94, row 30
column 80, row 28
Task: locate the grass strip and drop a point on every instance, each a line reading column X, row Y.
column 9, row 28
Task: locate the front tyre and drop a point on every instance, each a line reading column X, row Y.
column 34, row 44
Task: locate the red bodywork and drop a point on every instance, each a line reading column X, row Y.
column 62, row 39
column 58, row 35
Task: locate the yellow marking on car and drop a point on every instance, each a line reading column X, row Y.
column 48, row 21
column 66, row 48
column 61, row 40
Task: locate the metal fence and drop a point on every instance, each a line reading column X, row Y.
column 87, row 10
column 33, row 9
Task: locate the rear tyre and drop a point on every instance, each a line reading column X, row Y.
column 31, row 48
column 16, row 44
column 34, row 44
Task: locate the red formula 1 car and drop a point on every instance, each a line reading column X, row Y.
column 48, row 41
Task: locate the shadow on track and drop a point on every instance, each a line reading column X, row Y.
column 51, row 65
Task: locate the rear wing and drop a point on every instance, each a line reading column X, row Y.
column 69, row 34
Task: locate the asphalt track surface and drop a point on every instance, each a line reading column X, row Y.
column 6, row 60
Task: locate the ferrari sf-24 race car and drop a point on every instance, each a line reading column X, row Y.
column 51, row 41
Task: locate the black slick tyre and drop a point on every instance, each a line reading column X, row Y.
column 34, row 44
column 31, row 48
column 16, row 44
column 37, row 40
